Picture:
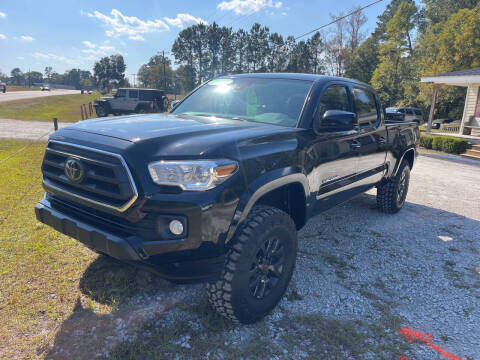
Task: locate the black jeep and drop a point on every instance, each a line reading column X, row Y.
column 218, row 188
column 126, row 101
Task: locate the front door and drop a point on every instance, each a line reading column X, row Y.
column 331, row 158
column 119, row 101
column 132, row 99
column 372, row 137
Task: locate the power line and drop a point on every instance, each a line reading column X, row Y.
column 338, row 19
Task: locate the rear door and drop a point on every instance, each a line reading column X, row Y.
column 372, row 136
column 332, row 155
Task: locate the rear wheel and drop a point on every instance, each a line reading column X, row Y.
column 258, row 267
column 391, row 194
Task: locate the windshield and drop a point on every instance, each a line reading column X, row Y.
column 271, row 101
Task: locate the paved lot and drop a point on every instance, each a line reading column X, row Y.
column 19, row 95
column 361, row 277
column 21, row 129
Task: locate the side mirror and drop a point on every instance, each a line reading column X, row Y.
column 335, row 120
column 174, row 103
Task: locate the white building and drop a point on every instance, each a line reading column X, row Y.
column 470, row 125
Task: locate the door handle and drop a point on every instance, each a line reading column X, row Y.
column 355, row 144
column 381, row 140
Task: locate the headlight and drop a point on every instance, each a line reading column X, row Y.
column 195, row 175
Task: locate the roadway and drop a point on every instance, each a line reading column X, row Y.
column 20, row 95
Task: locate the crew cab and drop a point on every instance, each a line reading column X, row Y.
column 218, row 188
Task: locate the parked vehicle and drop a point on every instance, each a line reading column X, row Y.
column 3, row 87
column 437, row 123
column 132, row 101
column 218, row 188
column 45, row 88
column 407, row 114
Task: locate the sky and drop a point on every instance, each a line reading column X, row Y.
column 68, row 34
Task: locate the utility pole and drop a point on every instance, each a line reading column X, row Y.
column 134, row 78
column 164, row 76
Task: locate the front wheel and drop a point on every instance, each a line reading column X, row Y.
column 391, row 194
column 258, row 267
column 101, row 111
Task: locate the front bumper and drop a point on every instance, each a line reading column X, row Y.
column 94, row 238
column 180, row 266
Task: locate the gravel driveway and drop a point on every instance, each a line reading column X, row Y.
column 360, row 277
column 19, row 95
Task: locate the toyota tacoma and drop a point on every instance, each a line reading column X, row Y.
column 217, row 189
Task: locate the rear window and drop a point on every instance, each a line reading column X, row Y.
column 147, row 95
column 417, row 112
column 133, row 94
column 365, row 106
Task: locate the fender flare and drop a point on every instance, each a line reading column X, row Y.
column 249, row 198
column 397, row 165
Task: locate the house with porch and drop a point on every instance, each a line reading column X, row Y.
column 469, row 127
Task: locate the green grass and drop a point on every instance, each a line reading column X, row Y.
column 46, row 277
column 65, row 108
column 11, row 88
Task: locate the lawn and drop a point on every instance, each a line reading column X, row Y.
column 11, row 88
column 66, row 108
column 40, row 269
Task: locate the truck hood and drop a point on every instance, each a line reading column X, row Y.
column 140, row 128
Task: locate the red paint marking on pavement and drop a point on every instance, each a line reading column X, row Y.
column 413, row 336
column 402, row 357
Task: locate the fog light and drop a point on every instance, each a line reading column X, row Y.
column 176, row 227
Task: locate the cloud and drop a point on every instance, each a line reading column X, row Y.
column 242, row 7
column 3, row 15
column 55, row 58
column 137, row 37
column 122, row 25
column 93, row 49
column 184, row 20
column 2, row 37
column 27, row 38
column 20, row 58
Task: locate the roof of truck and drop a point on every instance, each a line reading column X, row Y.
column 295, row 76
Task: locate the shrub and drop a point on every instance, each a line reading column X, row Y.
column 454, row 145
column 437, row 143
column 426, row 141
column 446, row 144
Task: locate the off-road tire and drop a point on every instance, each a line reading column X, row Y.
column 388, row 198
column 231, row 293
column 101, row 111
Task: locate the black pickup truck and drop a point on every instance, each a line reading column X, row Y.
column 218, row 188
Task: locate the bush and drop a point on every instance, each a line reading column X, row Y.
column 426, row 141
column 454, row 145
column 446, row 144
column 437, row 143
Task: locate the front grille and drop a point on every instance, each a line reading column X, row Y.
column 106, row 180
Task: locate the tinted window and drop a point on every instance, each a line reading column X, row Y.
column 121, row 93
column 272, row 101
column 334, row 98
column 146, row 95
column 401, row 110
column 418, row 112
column 365, row 106
column 133, row 94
